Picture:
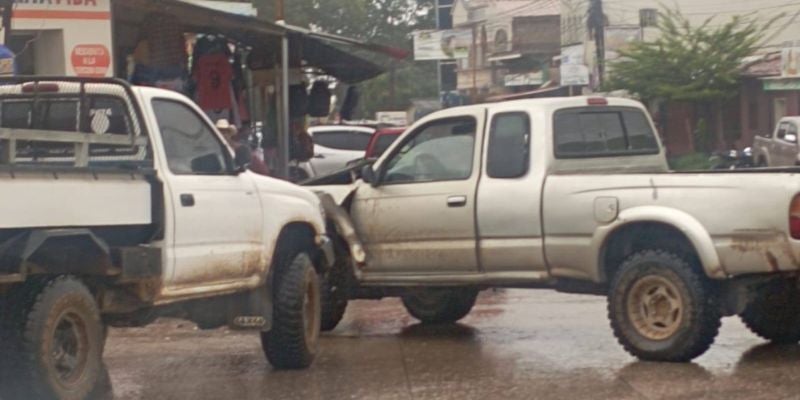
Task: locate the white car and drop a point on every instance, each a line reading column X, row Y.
column 336, row 145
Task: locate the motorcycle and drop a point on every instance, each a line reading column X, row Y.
column 732, row 159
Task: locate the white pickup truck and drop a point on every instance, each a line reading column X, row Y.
column 122, row 204
column 780, row 148
column 572, row 194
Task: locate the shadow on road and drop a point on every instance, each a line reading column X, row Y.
column 440, row 332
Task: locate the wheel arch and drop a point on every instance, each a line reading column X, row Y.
column 56, row 252
column 656, row 227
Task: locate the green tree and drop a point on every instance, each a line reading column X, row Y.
column 694, row 64
column 388, row 22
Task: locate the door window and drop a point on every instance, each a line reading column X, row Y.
column 191, row 146
column 343, row 140
column 440, row 151
column 509, row 146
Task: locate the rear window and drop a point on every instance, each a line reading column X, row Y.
column 343, row 140
column 606, row 132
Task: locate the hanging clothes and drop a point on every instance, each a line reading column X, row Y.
column 213, row 75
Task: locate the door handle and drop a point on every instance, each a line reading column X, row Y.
column 319, row 156
column 187, row 200
column 456, row 201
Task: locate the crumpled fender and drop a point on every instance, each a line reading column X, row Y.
column 344, row 227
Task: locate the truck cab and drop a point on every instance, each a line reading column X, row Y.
column 779, row 148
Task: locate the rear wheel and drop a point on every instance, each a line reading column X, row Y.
column 774, row 312
column 55, row 341
column 663, row 309
column 294, row 338
column 440, row 306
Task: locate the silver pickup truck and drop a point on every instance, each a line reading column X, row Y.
column 122, row 204
column 779, row 148
column 573, row 194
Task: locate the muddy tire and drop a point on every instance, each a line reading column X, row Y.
column 294, row 338
column 662, row 308
column 439, row 306
column 334, row 299
column 774, row 312
column 53, row 341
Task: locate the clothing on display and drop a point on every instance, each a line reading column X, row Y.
column 319, row 101
column 213, row 78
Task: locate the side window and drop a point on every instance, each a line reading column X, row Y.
column 509, row 146
column 605, row 132
column 782, row 130
column 440, row 151
column 191, row 146
column 791, row 133
column 343, row 140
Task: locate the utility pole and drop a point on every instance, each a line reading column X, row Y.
column 284, row 128
column 597, row 24
column 280, row 11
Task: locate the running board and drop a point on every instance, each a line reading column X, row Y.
column 511, row 279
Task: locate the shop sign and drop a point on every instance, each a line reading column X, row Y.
column 91, row 60
column 775, row 85
column 529, row 79
column 574, row 71
column 790, row 60
column 442, row 45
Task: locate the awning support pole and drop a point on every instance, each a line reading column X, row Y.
column 284, row 134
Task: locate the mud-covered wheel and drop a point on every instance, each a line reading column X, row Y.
column 439, row 305
column 662, row 308
column 334, row 299
column 774, row 312
column 294, row 338
column 55, row 341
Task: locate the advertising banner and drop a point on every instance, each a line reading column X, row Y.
column 442, row 45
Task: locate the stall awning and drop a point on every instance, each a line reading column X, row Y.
column 325, row 52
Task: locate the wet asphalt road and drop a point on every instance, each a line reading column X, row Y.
column 516, row 344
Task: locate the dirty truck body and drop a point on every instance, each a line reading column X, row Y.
column 125, row 204
column 573, row 194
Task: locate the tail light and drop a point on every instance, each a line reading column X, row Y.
column 794, row 217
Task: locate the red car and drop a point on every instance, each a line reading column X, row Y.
column 381, row 140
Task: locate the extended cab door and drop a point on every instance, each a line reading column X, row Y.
column 214, row 220
column 509, row 195
column 421, row 216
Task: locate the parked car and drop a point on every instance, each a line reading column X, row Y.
column 572, row 194
column 336, row 145
column 122, row 204
column 381, row 140
column 779, row 148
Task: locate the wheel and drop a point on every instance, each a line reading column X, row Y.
column 334, row 299
column 762, row 163
column 774, row 312
column 663, row 309
column 293, row 340
column 55, row 341
column 439, row 306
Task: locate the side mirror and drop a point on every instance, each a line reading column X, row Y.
column 368, row 175
column 243, row 157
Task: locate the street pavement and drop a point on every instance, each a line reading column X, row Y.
column 516, row 344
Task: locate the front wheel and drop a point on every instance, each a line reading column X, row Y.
column 774, row 312
column 293, row 340
column 55, row 341
column 439, row 306
column 663, row 309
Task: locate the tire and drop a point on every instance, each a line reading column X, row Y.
column 334, row 299
column 663, row 309
column 774, row 312
column 55, row 341
column 294, row 338
column 439, row 306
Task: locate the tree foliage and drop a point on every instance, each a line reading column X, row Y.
column 688, row 63
column 388, row 22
